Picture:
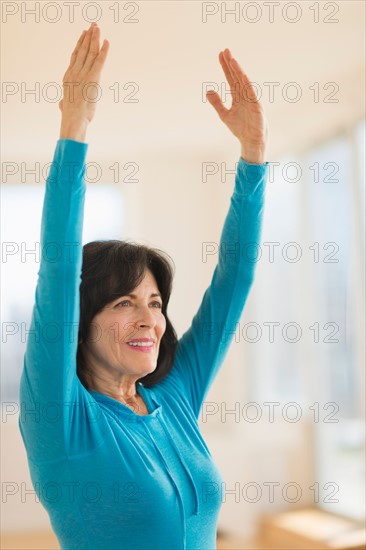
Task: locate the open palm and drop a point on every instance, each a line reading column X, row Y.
column 246, row 118
column 82, row 77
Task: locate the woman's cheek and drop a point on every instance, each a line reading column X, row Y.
column 163, row 324
column 113, row 333
column 128, row 328
column 97, row 331
column 119, row 331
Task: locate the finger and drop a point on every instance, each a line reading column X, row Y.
column 84, row 49
column 76, row 49
column 236, row 84
column 99, row 61
column 227, row 58
column 246, row 89
column 227, row 70
column 93, row 48
column 214, row 99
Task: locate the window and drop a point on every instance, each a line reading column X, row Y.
column 312, row 292
column 338, row 215
column 20, row 232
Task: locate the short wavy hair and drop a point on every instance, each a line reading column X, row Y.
column 112, row 268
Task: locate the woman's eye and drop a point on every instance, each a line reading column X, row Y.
column 123, row 303
column 127, row 302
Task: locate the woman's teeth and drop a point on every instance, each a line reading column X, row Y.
column 141, row 344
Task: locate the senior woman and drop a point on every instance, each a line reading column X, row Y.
column 109, row 418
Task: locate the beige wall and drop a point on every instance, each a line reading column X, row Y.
column 169, row 133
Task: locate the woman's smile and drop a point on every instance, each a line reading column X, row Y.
column 142, row 344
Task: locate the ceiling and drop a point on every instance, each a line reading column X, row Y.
column 168, row 54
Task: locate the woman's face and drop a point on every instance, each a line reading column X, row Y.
column 125, row 336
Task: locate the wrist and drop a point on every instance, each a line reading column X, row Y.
column 72, row 129
column 254, row 155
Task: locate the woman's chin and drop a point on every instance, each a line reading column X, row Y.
column 147, row 368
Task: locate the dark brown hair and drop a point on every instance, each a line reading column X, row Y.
column 115, row 268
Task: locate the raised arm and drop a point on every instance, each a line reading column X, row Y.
column 49, row 385
column 202, row 348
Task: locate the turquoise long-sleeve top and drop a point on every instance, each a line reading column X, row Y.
column 110, row 478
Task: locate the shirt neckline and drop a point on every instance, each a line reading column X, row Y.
column 152, row 405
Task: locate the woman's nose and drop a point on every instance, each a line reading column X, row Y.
column 145, row 317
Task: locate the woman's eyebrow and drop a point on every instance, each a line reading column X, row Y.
column 153, row 295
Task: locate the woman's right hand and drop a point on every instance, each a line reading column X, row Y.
column 78, row 104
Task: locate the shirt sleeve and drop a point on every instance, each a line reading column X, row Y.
column 203, row 347
column 49, row 384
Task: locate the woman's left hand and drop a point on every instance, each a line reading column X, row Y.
column 246, row 118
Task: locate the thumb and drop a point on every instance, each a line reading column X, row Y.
column 214, row 99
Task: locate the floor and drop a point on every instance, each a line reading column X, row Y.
column 47, row 541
